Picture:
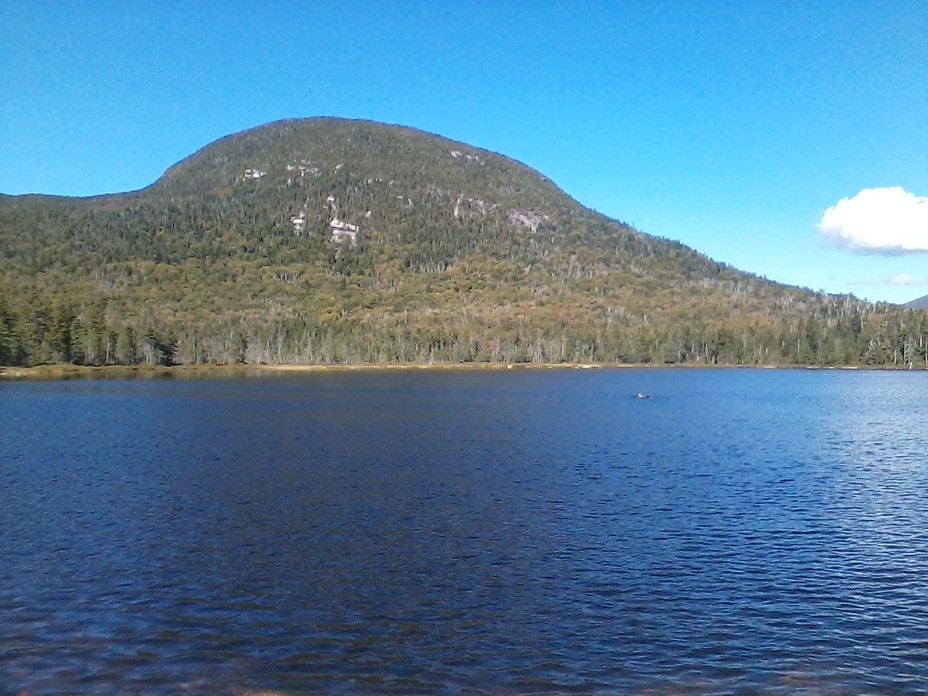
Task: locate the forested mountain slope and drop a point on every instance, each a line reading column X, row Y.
column 334, row 241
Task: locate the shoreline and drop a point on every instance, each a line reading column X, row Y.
column 67, row 371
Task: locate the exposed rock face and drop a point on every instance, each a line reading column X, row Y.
column 343, row 232
column 530, row 218
column 299, row 224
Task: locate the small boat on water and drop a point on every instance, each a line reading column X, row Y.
column 642, row 395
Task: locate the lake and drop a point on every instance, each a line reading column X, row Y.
column 467, row 532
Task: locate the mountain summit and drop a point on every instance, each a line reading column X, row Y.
column 335, row 241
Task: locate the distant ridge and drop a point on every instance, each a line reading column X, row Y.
column 334, row 241
column 920, row 303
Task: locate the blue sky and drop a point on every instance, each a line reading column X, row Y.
column 731, row 126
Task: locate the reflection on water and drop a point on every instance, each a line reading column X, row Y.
column 465, row 533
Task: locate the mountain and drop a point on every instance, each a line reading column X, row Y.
column 920, row 303
column 335, row 241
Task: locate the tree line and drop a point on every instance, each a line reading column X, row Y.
column 41, row 332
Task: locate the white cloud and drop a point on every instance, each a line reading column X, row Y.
column 878, row 220
column 898, row 279
column 906, row 279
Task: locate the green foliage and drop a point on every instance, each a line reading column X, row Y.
column 126, row 347
column 458, row 255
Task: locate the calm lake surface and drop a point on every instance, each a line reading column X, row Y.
column 499, row 532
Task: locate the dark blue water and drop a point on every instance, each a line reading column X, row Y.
column 510, row 532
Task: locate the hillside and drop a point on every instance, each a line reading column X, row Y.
column 919, row 303
column 334, row 241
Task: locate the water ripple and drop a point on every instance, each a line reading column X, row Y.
column 466, row 533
